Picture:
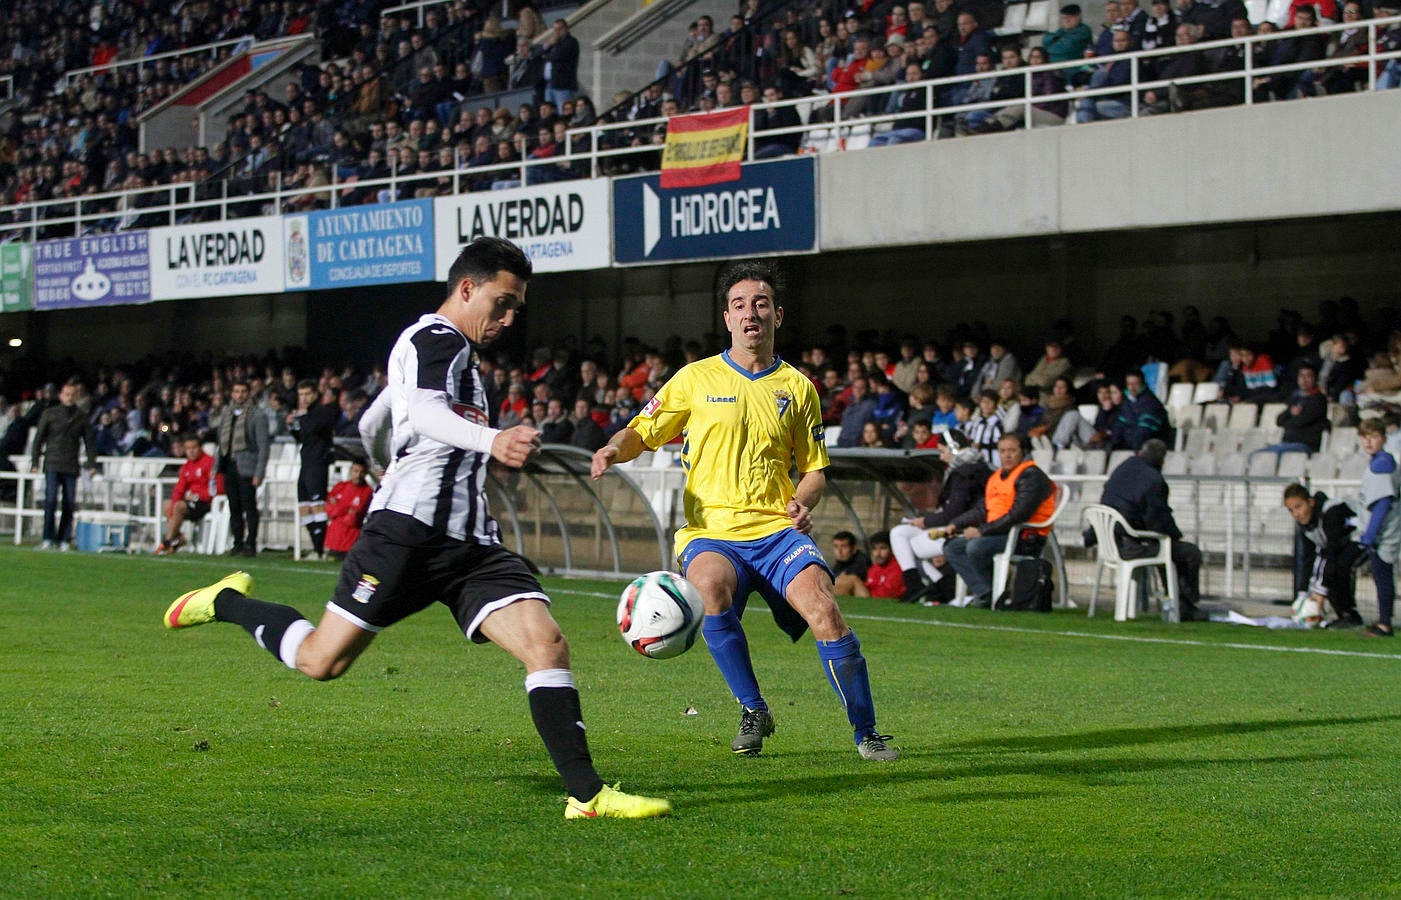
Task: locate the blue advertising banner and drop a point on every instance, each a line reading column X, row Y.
column 99, row 270
column 385, row 243
column 771, row 209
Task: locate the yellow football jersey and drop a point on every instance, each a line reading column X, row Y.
column 742, row 433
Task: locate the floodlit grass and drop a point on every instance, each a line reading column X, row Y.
column 1043, row 755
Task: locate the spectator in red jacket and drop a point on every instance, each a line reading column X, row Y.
column 884, row 578
column 346, row 506
column 194, row 492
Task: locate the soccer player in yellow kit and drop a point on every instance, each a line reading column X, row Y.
column 747, row 418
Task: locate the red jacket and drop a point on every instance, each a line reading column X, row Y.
column 346, row 506
column 194, row 479
column 885, row 581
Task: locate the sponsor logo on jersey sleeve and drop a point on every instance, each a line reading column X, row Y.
column 474, row 414
column 652, row 406
column 365, row 589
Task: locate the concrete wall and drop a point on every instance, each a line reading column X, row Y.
column 1275, row 161
column 606, row 70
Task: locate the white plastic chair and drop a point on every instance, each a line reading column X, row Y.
column 1292, row 464
column 1206, row 392
column 213, row 536
column 1180, row 394
column 1243, row 417
column 1269, row 413
column 1002, row 562
column 1103, row 519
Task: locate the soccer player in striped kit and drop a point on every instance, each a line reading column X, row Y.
column 429, row 537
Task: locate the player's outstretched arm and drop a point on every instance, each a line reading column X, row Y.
column 621, row 447
column 516, row 445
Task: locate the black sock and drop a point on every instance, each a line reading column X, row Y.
column 266, row 622
column 913, row 585
column 561, row 726
column 317, row 530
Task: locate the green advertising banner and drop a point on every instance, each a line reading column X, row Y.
column 15, row 293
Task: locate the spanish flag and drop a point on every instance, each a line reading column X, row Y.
column 705, row 148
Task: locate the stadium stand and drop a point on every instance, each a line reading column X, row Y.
column 400, row 105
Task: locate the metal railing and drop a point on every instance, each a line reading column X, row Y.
column 212, row 49
column 605, row 142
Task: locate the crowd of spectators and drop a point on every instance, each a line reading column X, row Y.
column 891, row 392
column 397, row 99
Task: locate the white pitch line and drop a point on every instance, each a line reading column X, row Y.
column 1184, row 642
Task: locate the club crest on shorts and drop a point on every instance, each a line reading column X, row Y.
column 365, row 589
column 783, row 399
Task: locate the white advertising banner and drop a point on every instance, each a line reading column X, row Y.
column 562, row 227
column 217, row 259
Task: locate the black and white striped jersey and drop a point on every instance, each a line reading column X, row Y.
column 441, row 440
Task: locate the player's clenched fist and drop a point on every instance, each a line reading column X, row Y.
column 603, row 458
column 515, row 446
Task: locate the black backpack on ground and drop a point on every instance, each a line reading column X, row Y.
column 1029, row 588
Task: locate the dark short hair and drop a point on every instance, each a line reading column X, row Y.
column 750, row 270
column 1295, row 491
column 485, row 258
column 306, row 383
column 845, row 536
column 881, row 537
column 189, row 436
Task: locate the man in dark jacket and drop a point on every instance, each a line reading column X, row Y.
column 771, row 119
column 243, row 461
column 1137, row 490
column 1018, row 493
column 561, row 65
column 59, row 432
column 1327, row 551
column 313, row 425
column 1306, row 418
column 918, row 542
column 1141, row 416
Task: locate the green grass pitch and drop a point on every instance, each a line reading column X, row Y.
column 1043, row 756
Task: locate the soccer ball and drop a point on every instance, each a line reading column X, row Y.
column 660, row 614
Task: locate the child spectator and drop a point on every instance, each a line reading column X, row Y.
column 1382, row 538
column 346, row 506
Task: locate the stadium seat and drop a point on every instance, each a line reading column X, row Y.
column 1322, row 466
column 1103, row 520
column 1342, row 441
column 1186, row 416
column 1175, row 463
column 1116, row 459
column 1292, row 464
column 1180, row 394
column 1262, row 465
column 1206, row 392
column 1352, row 468
column 1013, row 20
column 1039, row 16
column 1092, row 462
column 213, row 532
column 1215, row 416
column 1269, row 414
column 1197, row 443
column 1088, row 411
column 1234, row 464
column 1243, row 417
column 1254, row 440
